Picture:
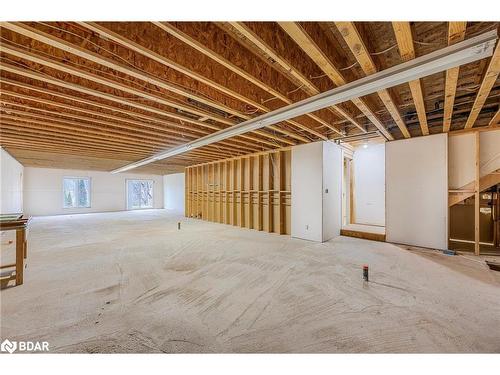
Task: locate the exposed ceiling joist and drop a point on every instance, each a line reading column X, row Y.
column 489, row 80
column 404, row 38
column 301, row 80
column 461, row 53
column 299, row 35
column 101, row 30
column 456, row 33
column 125, row 88
column 495, row 120
column 360, row 51
column 234, row 68
column 83, row 89
column 59, row 43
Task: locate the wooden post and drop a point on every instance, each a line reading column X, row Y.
column 234, row 216
column 20, row 242
column 476, row 196
column 270, row 187
column 226, row 196
column 249, row 189
column 281, row 187
column 259, row 193
column 234, row 191
column 242, row 186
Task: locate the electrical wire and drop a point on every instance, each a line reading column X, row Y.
column 295, row 90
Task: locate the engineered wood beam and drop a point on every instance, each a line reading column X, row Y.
column 80, row 130
column 489, row 80
column 309, row 46
column 360, row 51
column 92, row 77
column 59, row 43
column 104, row 32
column 404, row 38
column 138, row 124
column 149, row 122
column 235, row 69
column 495, row 120
column 152, row 123
column 66, row 68
column 137, row 133
column 99, row 94
column 456, row 33
column 303, row 82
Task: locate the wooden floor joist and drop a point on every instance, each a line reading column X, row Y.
column 139, row 93
column 360, row 51
column 489, row 80
column 456, row 33
column 99, row 94
column 304, row 83
column 124, row 91
column 165, row 26
column 167, row 62
column 404, row 37
column 300, row 36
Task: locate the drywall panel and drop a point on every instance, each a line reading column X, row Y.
column 307, row 185
column 11, row 177
column 174, row 191
column 489, row 151
column 461, row 149
column 369, row 185
column 417, row 191
column 43, row 191
column 332, row 190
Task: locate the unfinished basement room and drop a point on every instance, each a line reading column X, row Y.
column 250, row 187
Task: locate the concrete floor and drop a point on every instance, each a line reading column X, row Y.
column 132, row 282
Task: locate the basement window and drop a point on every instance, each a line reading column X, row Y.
column 76, row 192
column 139, row 194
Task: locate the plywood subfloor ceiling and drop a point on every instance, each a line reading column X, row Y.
column 100, row 95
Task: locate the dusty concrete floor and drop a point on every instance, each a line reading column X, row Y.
column 131, row 282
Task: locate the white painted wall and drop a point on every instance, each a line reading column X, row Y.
column 43, row 191
column 332, row 190
column 307, row 184
column 316, row 215
column 11, row 177
column 417, row 191
column 174, row 191
column 369, row 184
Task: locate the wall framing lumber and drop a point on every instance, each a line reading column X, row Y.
column 477, row 168
column 489, row 80
column 238, row 191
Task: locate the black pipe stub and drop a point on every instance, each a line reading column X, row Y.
column 179, row 225
column 365, row 272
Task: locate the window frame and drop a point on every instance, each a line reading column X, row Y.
column 152, row 195
column 90, row 192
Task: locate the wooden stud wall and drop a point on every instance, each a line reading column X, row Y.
column 252, row 191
